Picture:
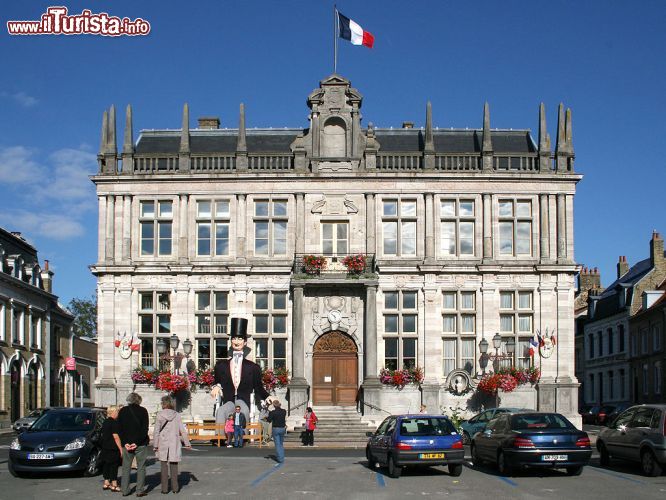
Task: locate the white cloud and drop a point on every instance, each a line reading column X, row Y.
column 41, row 223
column 17, row 165
column 72, row 168
column 21, row 98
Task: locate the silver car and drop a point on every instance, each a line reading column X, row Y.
column 638, row 434
column 22, row 424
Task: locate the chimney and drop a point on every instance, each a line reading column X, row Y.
column 657, row 251
column 47, row 277
column 407, row 124
column 623, row 266
column 209, row 122
column 589, row 279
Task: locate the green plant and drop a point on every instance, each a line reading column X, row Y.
column 455, row 415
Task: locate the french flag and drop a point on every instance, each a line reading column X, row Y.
column 351, row 31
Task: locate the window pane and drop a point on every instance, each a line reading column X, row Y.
column 523, row 236
column 261, row 208
column 146, row 301
column 342, row 231
column 448, row 238
column 203, row 239
column 466, row 208
column 221, row 301
column 147, row 209
column 327, row 231
column 468, row 355
column 525, row 323
column 222, row 209
column 467, row 325
column 261, row 324
column 147, row 238
column 166, row 209
column 449, row 324
column 449, row 300
column 221, row 324
column 409, row 348
column 279, row 300
column 467, row 300
column 279, row 208
column 163, row 301
column 391, row 348
column 165, row 238
column 409, row 323
column 164, row 323
column 203, row 324
column 280, row 348
column 467, row 238
column 221, row 239
column 146, row 323
column 261, row 300
column 147, row 359
column 447, row 208
column 409, row 300
column 261, row 238
column 279, row 324
column 409, row 238
column 203, row 301
column 280, row 238
column 408, row 209
column 261, row 348
column 221, row 349
column 506, row 238
column 506, row 323
column 390, row 208
column 390, row 232
column 506, row 209
column 524, row 300
column 523, row 209
column 449, row 358
column 203, row 209
column 391, row 323
column 506, row 300
column 390, row 300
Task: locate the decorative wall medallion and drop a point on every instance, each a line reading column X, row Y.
column 334, row 316
column 335, row 342
column 459, row 382
column 547, row 342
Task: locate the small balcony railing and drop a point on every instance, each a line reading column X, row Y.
column 350, row 264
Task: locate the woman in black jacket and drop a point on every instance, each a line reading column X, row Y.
column 111, row 449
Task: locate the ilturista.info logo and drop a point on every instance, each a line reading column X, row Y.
column 57, row 21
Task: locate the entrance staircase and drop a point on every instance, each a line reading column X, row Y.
column 338, row 427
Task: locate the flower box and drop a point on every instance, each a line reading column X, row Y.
column 355, row 264
column 313, row 264
column 272, row 379
column 507, row 380
column 400, row 378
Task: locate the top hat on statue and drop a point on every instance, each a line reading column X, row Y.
column 238, row 328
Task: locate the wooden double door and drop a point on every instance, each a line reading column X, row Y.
column 335, row 370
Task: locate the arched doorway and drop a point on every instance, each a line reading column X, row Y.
column 15, row 383
column 335, row 370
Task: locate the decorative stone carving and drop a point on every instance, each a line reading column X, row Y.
column 459, row 382
column 351, row 207
column 335, row 342
column 318, row 206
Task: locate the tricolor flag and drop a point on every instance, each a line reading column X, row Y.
column 533, row 345
column 351, row 31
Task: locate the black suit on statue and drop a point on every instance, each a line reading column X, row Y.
column 250, row 380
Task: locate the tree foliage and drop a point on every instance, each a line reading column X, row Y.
column 85, row 316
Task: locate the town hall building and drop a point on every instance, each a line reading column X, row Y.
column 349, row 249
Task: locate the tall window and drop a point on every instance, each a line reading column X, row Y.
column 611, row 384
column 590, row 342
column 400, row 317
column 646, row 379
column 270, row 227
column 399, row 227
column 591, row 389
column 213, row 227
column 656, row 338
column 459, row 331
column 457, row 227
column 212, row 314
column 156, row 227
column 154, row 323
column 516, row 320
column 645, row 341
column 610, row 341
column 620, row 337
column 334, row 238
column 600, row 343
column 270, row 329
column 657, row 377
column 515, row 227
column 622, row 383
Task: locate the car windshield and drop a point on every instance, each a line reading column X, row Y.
column 429, row 426
column 64, row 421
column 540, row 421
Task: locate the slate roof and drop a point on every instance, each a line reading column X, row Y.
column 279, row 140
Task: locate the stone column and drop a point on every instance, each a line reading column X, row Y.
column 544, row 227
column 3, row 324
column 183, row 247
column 101, row 229
column 561, row 229
column 298, row 388
column 127, row 227
column 370, row 331
column 110, row 228
column 241, row 218
column 300, row 222
column 429, row 227
column 31, row 333
column 370, row 230
column 487, row 228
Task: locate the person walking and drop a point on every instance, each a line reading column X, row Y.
column 277, row 417
column 168, row 439
column 111, row 449
column 239, row 427
column 310, row 426
column 133, row 433
column 229, row 429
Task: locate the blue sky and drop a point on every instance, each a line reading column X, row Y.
column 604, row 59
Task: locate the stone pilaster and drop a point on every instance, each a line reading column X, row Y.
column 241, row 217
column 183, row 247
column 127, row 228
column 300, row 223
column 561, row 230
column 487, row 228
column 370, row 340
column 429, row 227
column 370, row 224
column 543, row 227
column 298, row 387
column 110, row 228
column 101, row 229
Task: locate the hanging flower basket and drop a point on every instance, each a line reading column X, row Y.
column 314, row 264
column 171, row 382
column 142, row 375
column 272, row 379
column 400, row 378
column 355, row 264
column 508, row 379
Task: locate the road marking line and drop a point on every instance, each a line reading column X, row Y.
column 270, row 471
column 507, row 480
column 615, row 474
column 380, row 480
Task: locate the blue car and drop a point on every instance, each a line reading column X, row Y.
column 478, row 422
column 415, row 441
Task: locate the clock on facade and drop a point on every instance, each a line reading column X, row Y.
column 334, row 316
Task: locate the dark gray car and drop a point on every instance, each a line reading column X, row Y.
column 638, row 434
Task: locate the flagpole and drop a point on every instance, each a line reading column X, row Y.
column 335, row 39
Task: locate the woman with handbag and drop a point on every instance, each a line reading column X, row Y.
column 310, row 426
column 169, row 437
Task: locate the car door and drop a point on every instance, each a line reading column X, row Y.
column 385, row 441
column 485, row 441
column 637, row 430
column 614, row 438
column 376, row 438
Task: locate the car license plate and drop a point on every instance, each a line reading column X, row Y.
column 40, row 456
column 555, row 458
column 431, row 455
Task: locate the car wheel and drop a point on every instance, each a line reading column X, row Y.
column 649, row 464
column 466, row 438
column 372, row 463
column 393, row 470
column 574, row 471
column 502, row 467
column 455, row 469
column 604, row 457
column 476, row 459
column 92, row 465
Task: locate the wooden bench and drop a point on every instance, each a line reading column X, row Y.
column 209, row 432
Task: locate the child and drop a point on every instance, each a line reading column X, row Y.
column 229, row 429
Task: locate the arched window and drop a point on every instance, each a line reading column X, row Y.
column 335, row 138
column 33, row 396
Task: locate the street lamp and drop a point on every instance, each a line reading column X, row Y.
column 187, row 347
column 161, row 351
column 497, row 357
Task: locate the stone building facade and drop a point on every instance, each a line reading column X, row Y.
column 462, row 233
column 30, row 320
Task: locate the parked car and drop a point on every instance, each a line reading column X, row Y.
column 590, row 416
column 415, row 441
column 604, row 412
column 22, row 424
column 638, row 434
column 63, row 439
column 546, row 440
column 616, row 412
column 478, row 422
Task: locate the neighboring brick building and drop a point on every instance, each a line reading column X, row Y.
column 608, row 375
